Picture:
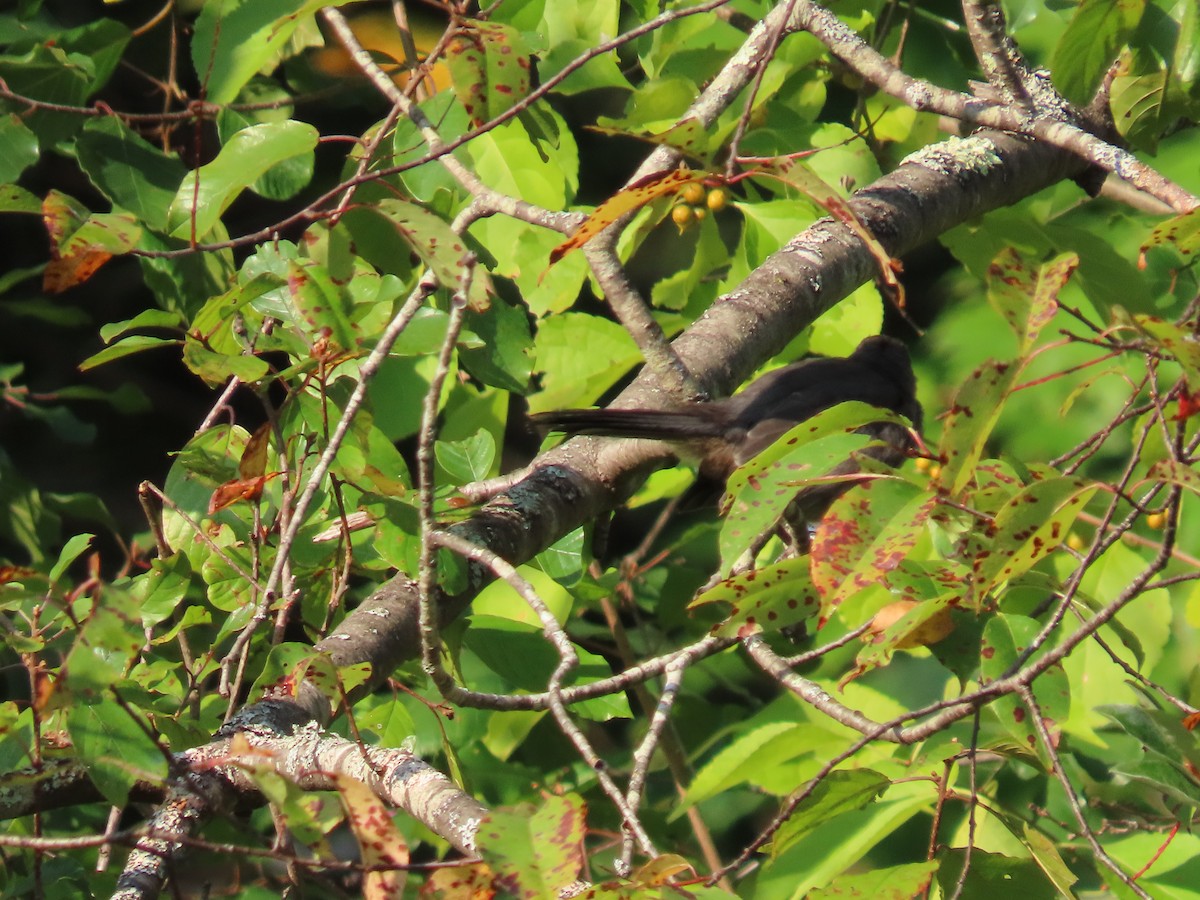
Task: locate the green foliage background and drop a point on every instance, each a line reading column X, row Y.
column 211, row 188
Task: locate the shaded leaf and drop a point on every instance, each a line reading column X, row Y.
column 128, row 170
column 1090, row 43
column 839, row 793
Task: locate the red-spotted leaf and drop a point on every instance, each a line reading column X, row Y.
column 1172, row 340
column 631, row 198
column 865, row 535
column 325, row 310
column 1029, row 527
column 489, row 66
column 439, row 248
column 534, row 852
column 1027, row 297
column 770, row 598
column 970, row 420
column 903, row 625
column 380, row 842
column 1173, row 472
column 1181, row 232
column 97, row 240
column 759, row 492
column 1005, row 639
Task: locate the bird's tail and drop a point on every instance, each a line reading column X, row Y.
column 657, row 425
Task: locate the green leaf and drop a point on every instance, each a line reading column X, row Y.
column 505, row 359
column 1157, row 731
column 116, row 749
column 994, row 875
column 14, row 198
column 1096, row 32
column 18, row 147
column 1139, row 106
column 160, row 590
column 1005, row 638
column 69, row 553
column 838, row 793
column 581, row 357
column 888, row 883
column 752, row 754
column 147, row 318
column 264, row 101
column 105, row 647
column 128, row 170
column 469, row 460
column 208, row 191
column 127, row 346
column 236, row 39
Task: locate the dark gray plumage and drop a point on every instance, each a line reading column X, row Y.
column 724, row 434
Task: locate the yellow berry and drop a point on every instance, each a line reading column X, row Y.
column 682, row 216
column 1156, row 521
column 923, row 463
column 693, row 194
column 718, row 199
column 1075, row 542
column 699, row 212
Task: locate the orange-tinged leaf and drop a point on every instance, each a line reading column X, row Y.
column 631, row 198
column 16, row 573
column 61, row 274
column 231, row 492
column 62, row 215
column 468, row 882
column 253, row 463
column 77, row 256
column 661, row 870
column 379, row 841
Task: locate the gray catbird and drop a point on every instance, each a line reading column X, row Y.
column 724, row 434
